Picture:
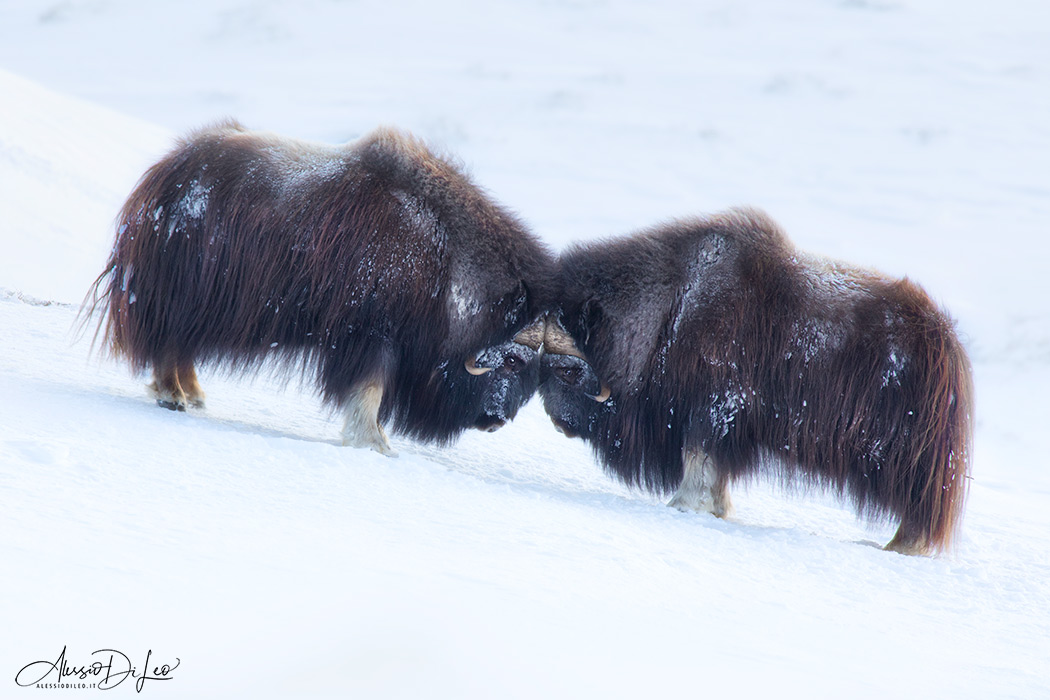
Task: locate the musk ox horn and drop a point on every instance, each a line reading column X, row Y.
column 532, row 335
column 473, row 368
column 557, row 342
column 606, row 392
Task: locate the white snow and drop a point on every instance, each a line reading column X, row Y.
column 65, row 168
column 243, row 540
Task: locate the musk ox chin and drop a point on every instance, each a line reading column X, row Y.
column 710, row 350
column 376, row 266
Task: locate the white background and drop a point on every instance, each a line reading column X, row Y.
column 908, row 136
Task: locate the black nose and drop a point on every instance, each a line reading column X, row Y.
column 489, row 424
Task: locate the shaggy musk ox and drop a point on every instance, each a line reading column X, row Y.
column 710, row 350
column 377, row 266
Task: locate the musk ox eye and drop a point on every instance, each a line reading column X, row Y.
column 574, row 372
column 510, row 357
column 569, row 375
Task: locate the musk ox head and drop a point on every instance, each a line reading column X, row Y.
column 600, row 346
column 574, row 396
column 504, row 377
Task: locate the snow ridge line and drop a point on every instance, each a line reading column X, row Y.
column 14, row 295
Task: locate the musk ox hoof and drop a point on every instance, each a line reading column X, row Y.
column 171, row 405
column 679, row 503
column 381, row 445
column 693, row 505
column 384, row 448
column 171, row 394
column 180, row 404
column 914, row 545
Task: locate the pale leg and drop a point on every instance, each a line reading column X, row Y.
column 702, row 489
column 362, row 427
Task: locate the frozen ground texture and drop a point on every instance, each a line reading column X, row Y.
column 909, row 136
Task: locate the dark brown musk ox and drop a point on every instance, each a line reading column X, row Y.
column 709, row 350
column 377, row 266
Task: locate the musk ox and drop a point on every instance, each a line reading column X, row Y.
column 377, row 267
column 706, row 351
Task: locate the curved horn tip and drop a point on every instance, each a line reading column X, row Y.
column 473, row 369
column 604, row 395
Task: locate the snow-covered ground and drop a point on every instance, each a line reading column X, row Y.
column 910, row 136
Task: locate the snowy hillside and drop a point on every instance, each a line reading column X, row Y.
column 271, row 562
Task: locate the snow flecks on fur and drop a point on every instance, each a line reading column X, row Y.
column 726, row 406
column 303, row 169
column 416, row 217
column 461, row 302
column 813, row 337
column 831, row 279
column 896, row 362
column 195, row 200
column 496, row 400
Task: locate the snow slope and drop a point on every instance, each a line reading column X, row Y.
column 242, row 540
column 62, row 185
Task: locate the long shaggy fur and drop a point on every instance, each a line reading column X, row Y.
column 375, row 263
column 716, row 337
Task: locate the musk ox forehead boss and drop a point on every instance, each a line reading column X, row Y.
column 378, row 266
column 710, row 350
